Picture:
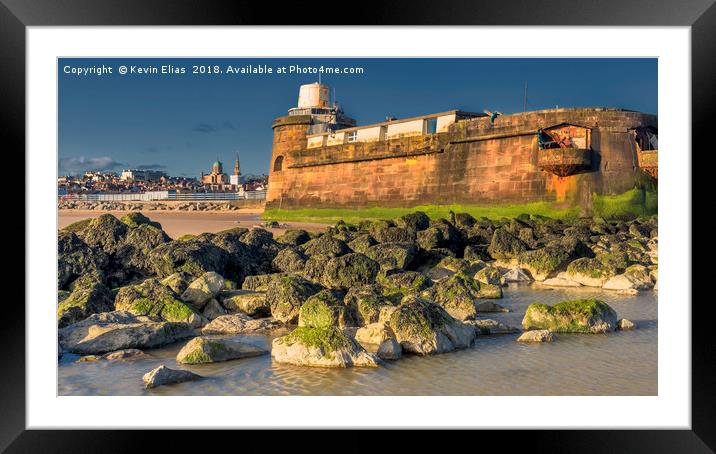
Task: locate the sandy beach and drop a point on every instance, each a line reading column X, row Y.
column 178, row 223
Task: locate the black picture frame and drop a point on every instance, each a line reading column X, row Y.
column 700, row 15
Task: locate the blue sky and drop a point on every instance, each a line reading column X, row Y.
column 181, row 123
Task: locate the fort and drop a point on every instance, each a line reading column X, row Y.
column 570, row 158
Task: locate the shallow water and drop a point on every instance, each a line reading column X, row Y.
column 620, row 363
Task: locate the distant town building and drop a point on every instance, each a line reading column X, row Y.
column 235, row 179
column 141, row 175
column 217, row 177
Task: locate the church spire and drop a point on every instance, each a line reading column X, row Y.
column 237, row 166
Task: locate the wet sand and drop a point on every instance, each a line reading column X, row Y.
column 178, row 223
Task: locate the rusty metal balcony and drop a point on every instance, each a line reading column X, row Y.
column 564, row 161
column 649, row 161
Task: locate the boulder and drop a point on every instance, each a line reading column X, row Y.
column 348, row 271
column 505, row 246
column 135, row 219
column 634, row 279
column 374, row 334
column 361, row 243
column 286, row 295
column 260, row 282
column 396, row 286
column 590, row 272
column 489, row 275
column 414, row 221
column 213, row 310
column 247, row 301
column 203, row 350
column 544, row 262
column 488, row 326
column 392, row 256
column 195, row 257
column 560, row 280
column 625, row 325
column 325, row 245
column 110, row 331
column 203, row 289
column 422, row 328
column 178, row 282
column 315, row 265
column 289, row 260
column 91, row 297
column 75, row 257
column 389, row 350
column 162, row 375
column 365, row 303
column 576, row 316
column 389, row 234
column 104, row 232
column 321, row 347
column 123, row 354
column 456, row 294
column 239, row 324
column 430, row 238
column 152, row 298
column 537, row 335
column 325, row 309
column 294, row 237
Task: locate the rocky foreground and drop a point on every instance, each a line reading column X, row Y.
column 350, row 296
column 70, row 204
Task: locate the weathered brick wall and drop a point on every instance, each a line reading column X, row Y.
column 476, row 162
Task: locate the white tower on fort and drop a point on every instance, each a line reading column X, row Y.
column 315, row 100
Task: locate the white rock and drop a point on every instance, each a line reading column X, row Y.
column 202, row 289
column 624, row 324
column 162, row 375
column 537, row 335
column 517, row 275
column 561, row 280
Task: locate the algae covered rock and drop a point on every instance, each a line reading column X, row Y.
column 260, row 282
column 315, row 265
column 414, row 221
column 505, row 246
column 163, row 375
column 544, row 262
column 349, row 270
column 135, row 219
column 203, row 350
column 489, row 275
column 576, row 316
column 392, row 256
column 397, row 286
column 287, row 294
column 365, row 303
column 321, row 347
column 203, row 289
column 246, row 301
column 154, row 299
column 634, row 279
column 361, row 243
column 194, row 256
column 325, row 245
column 422, row 327
column 289, row 260
column 178, row 282
column 325, row 309
column 294, row 237
column 87, row 298
column 105, row 232
column 591, row 272
column 75, row 258
column 457, row 295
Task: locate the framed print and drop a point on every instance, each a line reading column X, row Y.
column 390, row 225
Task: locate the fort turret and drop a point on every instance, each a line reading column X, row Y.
column 313, row 114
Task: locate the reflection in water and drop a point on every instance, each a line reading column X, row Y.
column 621, row 363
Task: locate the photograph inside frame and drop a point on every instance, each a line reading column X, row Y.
column 357, row 226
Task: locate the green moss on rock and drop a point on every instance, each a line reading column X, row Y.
column 574, row 316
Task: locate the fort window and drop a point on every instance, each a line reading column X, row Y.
column 278, row 164
column 351, row 136
column 431, row 126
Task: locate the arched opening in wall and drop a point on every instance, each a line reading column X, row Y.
column 278, row 164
